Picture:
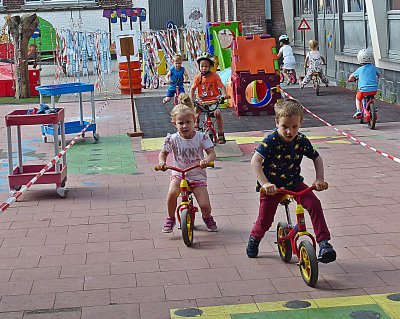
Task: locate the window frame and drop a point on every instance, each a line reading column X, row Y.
column 48, row 2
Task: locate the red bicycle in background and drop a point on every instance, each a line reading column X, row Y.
column 208, row 124
column 186, row 210
column 369, row 112
column 177, row 83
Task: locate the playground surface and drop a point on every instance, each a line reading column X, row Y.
column 100, row 252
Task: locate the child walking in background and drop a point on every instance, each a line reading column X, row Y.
column 314, row 61
column 175, row 75
column 209, row 87
column 367, row 76
column 277, row 163
column 187, row 146
column 286, row 52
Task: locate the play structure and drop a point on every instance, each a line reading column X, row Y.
column 255, row 74
column 219, row 36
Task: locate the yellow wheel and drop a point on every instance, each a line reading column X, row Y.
column 187, row 227
column 308, row 263
column 284, row 247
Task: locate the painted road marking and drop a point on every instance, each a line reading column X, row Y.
column 382, row 306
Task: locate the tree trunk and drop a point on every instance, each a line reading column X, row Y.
column 21, row 29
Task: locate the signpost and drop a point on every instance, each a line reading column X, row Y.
column 126, row 45
column 303, row 26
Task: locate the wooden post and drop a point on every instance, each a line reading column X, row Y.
column 126, row 45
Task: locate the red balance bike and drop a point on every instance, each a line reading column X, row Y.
column 291, row 73
column 177, row 83
column 208, row 124
column 186, row 210
column 288, row 235
column 369, row 112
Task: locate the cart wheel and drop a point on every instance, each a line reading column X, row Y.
column 83, row 134
column 17, row 187
column 96, row 136
column 62, row 192
column 284, row 247
column 63, row 182
column 44, row 137
column 308, row 263
column 59, row 142
column 187, row 227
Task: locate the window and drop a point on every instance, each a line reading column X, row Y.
column 328, row 5
column 307, row 6
column 56, row 1
column 354, row 6
column 393, row 4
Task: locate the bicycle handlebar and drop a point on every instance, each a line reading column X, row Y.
column 179, row 82
column 180, row 170
column 295, row 194
column 205, row 105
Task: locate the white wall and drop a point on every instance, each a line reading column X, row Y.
column 191, row 7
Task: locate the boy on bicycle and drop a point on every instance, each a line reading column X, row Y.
column 209, row 87
column 367, row 76
column 176, row 76
column 276, row 163
column 313, row 61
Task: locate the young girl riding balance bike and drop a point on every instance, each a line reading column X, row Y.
column 276, row 164
column 187, row 146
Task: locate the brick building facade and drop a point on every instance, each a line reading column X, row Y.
column 252, row 14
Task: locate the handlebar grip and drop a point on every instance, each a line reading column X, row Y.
column 211, row 164
column 157, row 168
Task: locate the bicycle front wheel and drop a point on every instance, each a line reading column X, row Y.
column 187, row 226
column 308, row 263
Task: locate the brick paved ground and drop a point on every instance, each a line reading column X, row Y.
column 100, row 252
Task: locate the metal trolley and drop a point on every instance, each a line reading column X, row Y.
column 67, row 88
column 23, row 174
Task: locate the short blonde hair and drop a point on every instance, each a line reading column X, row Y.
column 185, row 99
column 288, row 108
column 177, row 57
column 181, row 109
column 313, row 44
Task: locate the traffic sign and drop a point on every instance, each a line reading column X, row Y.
column 303, row 25
column 36, row 33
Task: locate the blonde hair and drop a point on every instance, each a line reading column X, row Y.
column 185, row 99
column 177, row 57
column 181, row 109
column 287, row 108
column 313, row 44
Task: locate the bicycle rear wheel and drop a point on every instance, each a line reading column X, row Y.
column 373, row 116
column 284, row 247
column 156, row 82
column 317, row 85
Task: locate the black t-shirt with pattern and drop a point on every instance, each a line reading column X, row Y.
column 281, row 164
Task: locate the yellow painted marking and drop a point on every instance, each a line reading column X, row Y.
column 229, row 309
column 392, row 308
column 155, row 144
column 344, row 301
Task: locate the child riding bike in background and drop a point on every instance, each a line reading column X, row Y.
column 367, row 76
column 286, row 52
column 176, row 75
column 187, row 146
column 314, row 60
column 276, row 163
column 209, row 87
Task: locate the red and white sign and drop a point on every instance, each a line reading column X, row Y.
column 303, row 25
